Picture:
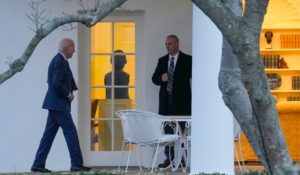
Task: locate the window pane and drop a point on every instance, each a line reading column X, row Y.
column 132, row 97
column 100, row 67
column 121, row 77
column 101, row 130
column 120, row 104
column 100, row 107
column 124, row 36
column 130, row 69
column 101, row 136
column 101, row 38
column 118, row 135
column 124, row 71
column 94, row 135
column 101, row 115
column 120, row 93
column 105, row 108
column 124, row 93
column 97, row 93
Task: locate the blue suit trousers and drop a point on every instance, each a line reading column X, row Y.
column 55, row 120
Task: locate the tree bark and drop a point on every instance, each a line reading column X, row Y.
column 88, row 19
column 242, row 34
column 234, row 92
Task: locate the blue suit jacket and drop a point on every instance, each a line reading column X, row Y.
column 60, row 84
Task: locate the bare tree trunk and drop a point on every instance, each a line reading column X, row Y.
column 89, row 19
column 255, row 81
column 235, row 94
column 242, row 34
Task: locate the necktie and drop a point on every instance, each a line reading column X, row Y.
column 171, row 75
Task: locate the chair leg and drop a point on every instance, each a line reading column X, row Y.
column 180, row 151
column 242, row 157
column 187, row 161
column 121, row 155
column 155, row 156
column 138, row 158
column 129, row 152
column 152, row 157
column 172, row 161
column 237, row 158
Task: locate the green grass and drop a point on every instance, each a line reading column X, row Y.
column 115, row 172
column 93, row 172
column 245, row 173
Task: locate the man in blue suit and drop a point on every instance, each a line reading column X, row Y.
column 58, row 100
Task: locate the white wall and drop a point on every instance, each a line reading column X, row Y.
column 212, row 123
column 22, row 119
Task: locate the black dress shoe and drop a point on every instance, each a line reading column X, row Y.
column 40, row 170
column 165, row 164
column 80, row 168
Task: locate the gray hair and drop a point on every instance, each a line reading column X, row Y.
column 64, row 43
column 173, row 36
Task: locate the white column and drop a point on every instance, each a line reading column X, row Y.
column 212, row 123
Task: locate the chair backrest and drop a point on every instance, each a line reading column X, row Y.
column 188, row 130
column 140, row 126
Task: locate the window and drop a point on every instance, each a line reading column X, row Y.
column 112, row 86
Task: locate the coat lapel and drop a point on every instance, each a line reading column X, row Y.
column 66, row 64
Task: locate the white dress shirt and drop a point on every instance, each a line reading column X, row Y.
column 175, row 59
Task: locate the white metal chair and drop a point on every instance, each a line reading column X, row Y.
column 144, row 129
column 238, row 147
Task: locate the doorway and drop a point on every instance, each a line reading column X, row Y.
column 109, row 73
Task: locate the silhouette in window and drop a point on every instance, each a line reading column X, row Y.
column 121, row 78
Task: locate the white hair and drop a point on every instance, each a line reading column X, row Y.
column 64, row 43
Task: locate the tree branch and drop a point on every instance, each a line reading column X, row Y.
column 221, row 15
column 254, row 14
column 87, row 19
